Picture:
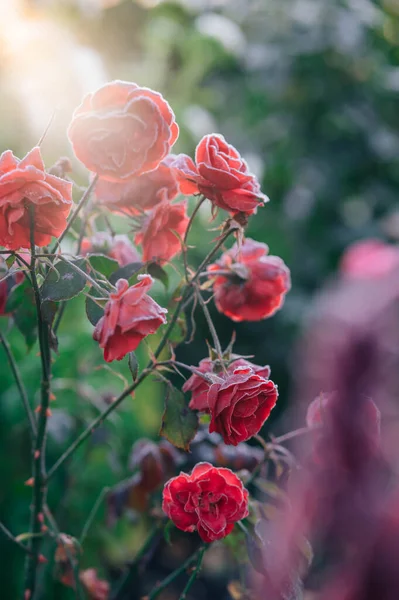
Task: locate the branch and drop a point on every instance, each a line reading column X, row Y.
column 151, row 365
column 168, row 580
column 20, row 385
column 211, row 326
column 92, row 514
column 39, row 488
column 74, row 216
column 194, row 574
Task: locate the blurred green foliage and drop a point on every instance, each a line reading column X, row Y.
column 307, row 90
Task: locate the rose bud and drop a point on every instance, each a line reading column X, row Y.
column 221, row 175
column 254, row 286
column 158, row 235
column 209, row 500
column 26, row 191
column 369, row 259
column 240, row 404
column 122, row 130
column 117, row 247
column 97, row 589
column 199, row 387
column 130, row 315
column 141, row 193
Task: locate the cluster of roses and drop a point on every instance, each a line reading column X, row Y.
column 123, row 134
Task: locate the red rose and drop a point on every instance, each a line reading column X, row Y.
column 130, row 315
column 220, row 174
column 141, row 193
column 157, row 236
column 255, row 284
column 25, row 185
column 122, row 130
column 199, row 387
column 210, row 500
column 239, row 404
column 369, row 259
column 117, row 247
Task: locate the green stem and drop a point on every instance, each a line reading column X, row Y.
column 170, row 578
column 102, row 416
column 194, row 574
column 131, row 574
column 211, row 326
column 20, row 385
column 92, row 514
column 85, row 275
column 74, row 216
column 38, row 467
column 195, row 211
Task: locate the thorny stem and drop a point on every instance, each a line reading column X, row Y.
column 38, row 466
column 194, row 574
column 102, row 416
column 184, row 366
column 85, row 275
column 20, row 385
column 131, row 573
column 168, row 580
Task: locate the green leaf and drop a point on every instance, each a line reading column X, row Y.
column 157, row 272
column 133, row 365
column 65, row 282
column 179, row 422
column 21, row 302
column 10, row 260
column 103, row 264
column 126, row 272
column 167, row 530
column 94, row 311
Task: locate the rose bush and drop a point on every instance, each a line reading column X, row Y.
column 209, row 500
column 122, row 130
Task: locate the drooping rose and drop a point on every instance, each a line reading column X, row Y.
column 209, row 500
column 157, row 236
column 199, row 387
column 369, row 259
column 141, row 193
column 130, row 315
column 117, row 247
column 122, row 130
column 255, row 284
column 220, row 174
column 26, row 189
column 240, row 404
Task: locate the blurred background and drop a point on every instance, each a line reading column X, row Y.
column 307, row 90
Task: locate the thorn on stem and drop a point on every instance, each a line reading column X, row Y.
column 30, row 482
column 36, row 454
column 48, row 413
column 27, row 594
